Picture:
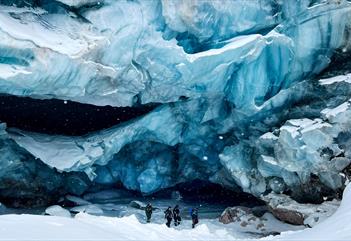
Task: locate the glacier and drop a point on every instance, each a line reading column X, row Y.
column 249, row 95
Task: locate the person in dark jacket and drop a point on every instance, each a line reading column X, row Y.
column 176, row 215
column 194, row 216
column 148, row 212
column 168, row 216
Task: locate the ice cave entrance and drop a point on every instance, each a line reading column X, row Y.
column 212, row 200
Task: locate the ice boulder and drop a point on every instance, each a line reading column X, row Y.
column 57, row 210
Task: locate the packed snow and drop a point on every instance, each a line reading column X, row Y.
column 88, row 227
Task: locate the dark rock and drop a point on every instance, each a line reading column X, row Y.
column 243, row 224
column 233, row 214
column 288, row 216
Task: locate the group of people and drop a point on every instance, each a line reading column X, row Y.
column 173, row 215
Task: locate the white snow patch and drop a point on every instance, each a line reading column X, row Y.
column 79, row 3
column 45, row 35
column 269, row 136
column 7, row 71
column 341, row 78
column 236, row 43
column 91, row 209
column 331, row 113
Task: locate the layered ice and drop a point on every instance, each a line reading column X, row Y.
column 240, row 100
column 118, row 61
column 162, row 149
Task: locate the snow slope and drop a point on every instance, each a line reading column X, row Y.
column 337, row 227
column 87, row 227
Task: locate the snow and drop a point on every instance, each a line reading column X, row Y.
column 269, row 136
column 332, row 113
column 40, row 33
column 79, row 3
column 11, row 71
column 87, row 227
column 341, row 78
column 337, row 227
column 90, row 208
column 236, row 43
column 312, row 213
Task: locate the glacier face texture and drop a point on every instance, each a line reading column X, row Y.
column 242, row 101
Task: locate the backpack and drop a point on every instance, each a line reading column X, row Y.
column 168, row 214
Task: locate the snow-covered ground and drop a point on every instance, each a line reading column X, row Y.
column 337, row 227
column 88, row 227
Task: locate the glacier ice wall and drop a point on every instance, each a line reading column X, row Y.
column 132, row 57
column 241, row 103
column 26, row 180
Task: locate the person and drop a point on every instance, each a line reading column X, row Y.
column 168, row 216
column 194, row 216
column 176, row 215
column 148, row 212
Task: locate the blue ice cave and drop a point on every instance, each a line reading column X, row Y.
column 251, row 95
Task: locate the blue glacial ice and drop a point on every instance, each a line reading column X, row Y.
column 241, row 101
column 127, row 58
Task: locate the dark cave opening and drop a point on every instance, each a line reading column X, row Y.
column 201, row 191
column 60, row 117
